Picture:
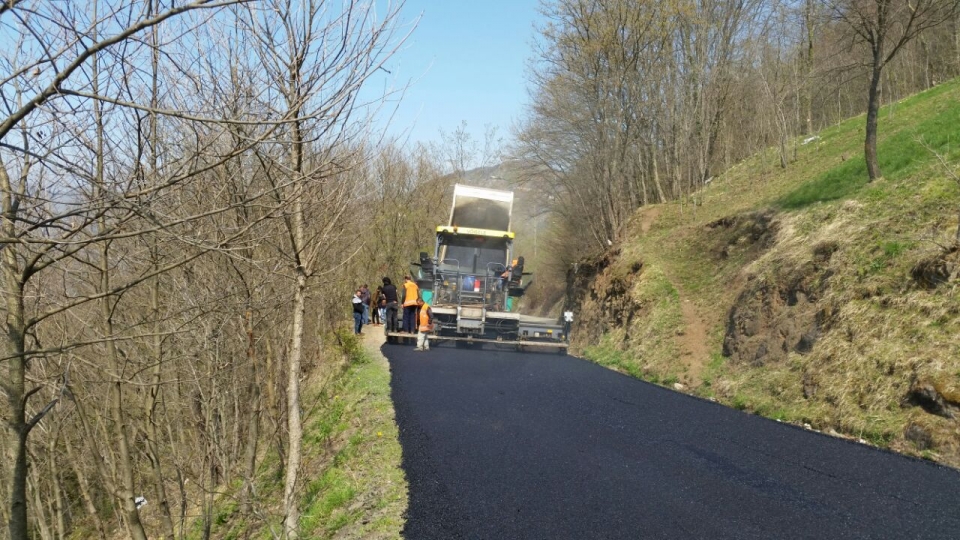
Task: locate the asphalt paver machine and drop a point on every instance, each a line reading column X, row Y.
column 473, row 279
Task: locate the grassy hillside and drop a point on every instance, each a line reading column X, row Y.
column 806, row 294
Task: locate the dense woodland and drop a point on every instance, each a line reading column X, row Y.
column 637, row 102
column 187, row 188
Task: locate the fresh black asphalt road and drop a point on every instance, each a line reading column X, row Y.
column 506, row 445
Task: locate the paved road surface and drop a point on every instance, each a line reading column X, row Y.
column 503, row 445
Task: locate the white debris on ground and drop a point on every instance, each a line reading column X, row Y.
column 809, row 140
column 140, row 501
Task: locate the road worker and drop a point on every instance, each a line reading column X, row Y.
column 505, row 278
column 357, row 312
column 391, row 306
column 425, row 326
column 411, row 293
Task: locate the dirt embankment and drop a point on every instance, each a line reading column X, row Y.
column 781, row 313
column 598, row 290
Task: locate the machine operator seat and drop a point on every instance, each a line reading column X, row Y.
column 426, row 263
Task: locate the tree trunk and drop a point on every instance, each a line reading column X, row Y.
column 18, row 488
column 253, row 422
column 14, row 384
column 125, row 491
column 125, row 462
column 656, row 177
column 160, row 490
column 84, row 487
column 59, row 512
column 291, row 522
column 807, row 92
column 956, row 238
column 873, row 112
column 956, row 41
column 273, row 409
column 153, row 394
column 294, row 428
column 40, row 516
column 150, row 408
column 783, row 146
column 642, row 173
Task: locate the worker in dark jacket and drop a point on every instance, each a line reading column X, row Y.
column 392, row 305
column 376, row 307
column 365, row 297
column 357, row 312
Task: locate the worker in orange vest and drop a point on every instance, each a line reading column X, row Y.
column 411, row 293
column 426, row 326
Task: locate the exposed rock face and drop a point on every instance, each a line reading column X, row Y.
column 751, row 232
column 935, row 398
column 599, row 292
column 773, row 317
column 581, row 277
column 942, row 268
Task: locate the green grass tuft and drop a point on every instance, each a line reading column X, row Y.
column 904, row 145
column 838, row 183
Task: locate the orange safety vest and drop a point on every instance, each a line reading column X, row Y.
column 411, row 294
column 425, row 325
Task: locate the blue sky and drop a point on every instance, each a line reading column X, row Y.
column 466, row 61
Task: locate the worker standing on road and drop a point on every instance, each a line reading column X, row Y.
column 357, row 312
column 426, row 325
column 365, row 296
column 411, row 293
column 376, row 312
column 391, row 306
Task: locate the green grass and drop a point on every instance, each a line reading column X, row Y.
column 904, row 146
column 225, row 512
column 353, row 484
column 327, row 495
column 647, row 349
column 361, row 488
column 713, row 370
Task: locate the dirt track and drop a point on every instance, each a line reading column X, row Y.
column 508, row 445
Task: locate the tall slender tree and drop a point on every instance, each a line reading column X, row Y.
column 885, row 27
column 317, row 55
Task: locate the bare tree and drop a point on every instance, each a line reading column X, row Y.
column 396, row 182
column 461, row 152
column 49, row 78
column 316, row 56
column 630, row 97
column 885, row 27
